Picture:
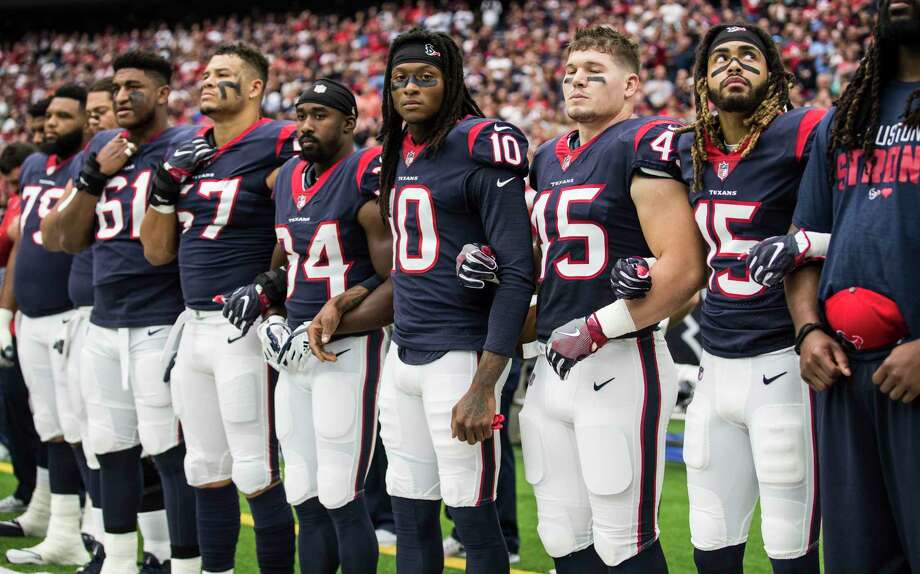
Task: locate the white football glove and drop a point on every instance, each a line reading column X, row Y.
column 273, row 333
column 296, row 353
column 7, row 351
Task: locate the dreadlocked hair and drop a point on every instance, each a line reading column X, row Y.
column 457, row 104
column 775, row 101
column 859, row 107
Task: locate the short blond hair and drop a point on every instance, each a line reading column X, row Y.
column 608, row 41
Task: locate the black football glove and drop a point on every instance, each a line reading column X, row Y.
column 476, row 266
column 249, row 302
column 175, row 171
column 630, row 278
column 572, row 342
column 188, row 157
column 771, row 259
column 91, row 179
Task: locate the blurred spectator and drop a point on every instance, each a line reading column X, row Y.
column 513, row 52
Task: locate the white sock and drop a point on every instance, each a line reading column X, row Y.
column 65, row 516
column 185, row 565
column 155, row 531
column 120, row 553
column 98, row 525
column 230, row 571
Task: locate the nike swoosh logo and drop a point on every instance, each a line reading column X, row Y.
column 340, row 353
column 767, row 381
column 502, row 128
column 574, row 333
column 234, row 339
column 504, row 182
column 598, row 387
column 152, row 332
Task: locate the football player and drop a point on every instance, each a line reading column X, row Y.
column 134, row 305
column 749, row 426
column 448, row 177
column 39, row 283
column 211, row 209
column 100, row 108
column 594, row 420
column 857, row 319
column 331, row 233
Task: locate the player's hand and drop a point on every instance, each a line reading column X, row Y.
column 771, row 259
column 295, row 353
column 273, row 333
column 188, row 157
column 7, row 351
column 244, row 306
column 899, row 374
column 476, row 266
column 322, row 328
column 114, row 155
column 573, row 342
column 473, row 417
column 822, row 360
column 630, row 278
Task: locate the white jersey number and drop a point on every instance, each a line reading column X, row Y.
column 714, row 218
column 592, row 235
column 324, row 259
column 415, row 199
column 109, row 213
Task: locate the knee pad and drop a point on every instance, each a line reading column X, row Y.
column 250, row 475
column 299, row 481
column 708, row 528
column 785, row 534
column 335, row 483
column 240, row 398
column 101, row 439
column 778, row 444
column 557, row 537
column 696, row 433
column 159, row 431
column 336, row 414
column 606, row 461
column 200, row 470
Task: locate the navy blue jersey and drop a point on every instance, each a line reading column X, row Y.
column 317, row 225
column 468, row 191
column 40, row 280
column 227, row 213
column 872, row 213
column 741, row 202
column 129, row 291
column 80, row 283
column 584, row 216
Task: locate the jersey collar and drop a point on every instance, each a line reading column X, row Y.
column 567, row 155
column 722, row 162
column 207, row 129
column 410, row 150
column 301, row 195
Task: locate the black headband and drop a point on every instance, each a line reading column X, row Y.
column 330, row 93
column 419, row 52
column 737, row 34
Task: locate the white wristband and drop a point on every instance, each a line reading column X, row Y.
column 6, row 315
column 531, row 349
column 812, row 244
column 615, row 319
column 164, row 209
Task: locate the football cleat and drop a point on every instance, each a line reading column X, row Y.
column 12, row 504
column 151, row 565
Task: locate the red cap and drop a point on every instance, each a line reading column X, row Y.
column 867, row 319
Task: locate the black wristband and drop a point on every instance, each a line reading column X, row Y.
column 804, row 331
column 165, row 190
column 273, row 284
column 372, row 282
column 91, row 180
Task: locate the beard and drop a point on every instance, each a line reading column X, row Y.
column 65, row 145
column 317, row 154
column 903, row 31
column 582, row 116
column 738, row 104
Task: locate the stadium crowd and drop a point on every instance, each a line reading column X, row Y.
column 512, row 50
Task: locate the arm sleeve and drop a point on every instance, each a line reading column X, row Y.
column 814, row 207
column 503, row 212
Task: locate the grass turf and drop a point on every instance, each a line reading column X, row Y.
column 675, row 533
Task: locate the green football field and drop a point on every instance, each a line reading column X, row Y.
column 675, row 534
